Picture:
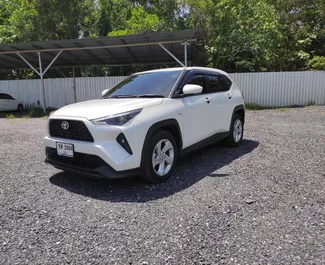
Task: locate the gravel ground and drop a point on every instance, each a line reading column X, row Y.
column 262, row 203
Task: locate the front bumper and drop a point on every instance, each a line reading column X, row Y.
column 109, row 159
column 85, row 164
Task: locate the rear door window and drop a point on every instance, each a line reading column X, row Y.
column 215, row 83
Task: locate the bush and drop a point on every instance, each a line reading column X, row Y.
column 49, row 110
column 35, row 112
column 316, row 64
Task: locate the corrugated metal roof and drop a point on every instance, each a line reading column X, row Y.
column 121, row 50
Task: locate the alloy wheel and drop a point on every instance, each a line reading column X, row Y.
column 163, row 157
column 237, row 130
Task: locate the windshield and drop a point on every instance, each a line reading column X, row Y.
column 152, row 84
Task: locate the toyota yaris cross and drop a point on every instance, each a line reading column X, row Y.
column 144, row 124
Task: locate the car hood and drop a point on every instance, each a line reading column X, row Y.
column 98, row 108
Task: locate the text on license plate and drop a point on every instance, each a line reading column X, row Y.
column 64, row 149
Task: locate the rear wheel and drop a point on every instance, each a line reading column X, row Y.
column 236, row 132
column 160, row 158
column 20, row 107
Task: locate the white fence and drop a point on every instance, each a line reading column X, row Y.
column 266, row 89
column 58, row 92
column 282, row 88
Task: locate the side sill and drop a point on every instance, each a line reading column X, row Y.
column 208, row 141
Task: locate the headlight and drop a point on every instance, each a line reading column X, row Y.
column 117, row 119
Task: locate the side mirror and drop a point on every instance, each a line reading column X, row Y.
column 104, row 92
column 192, row 89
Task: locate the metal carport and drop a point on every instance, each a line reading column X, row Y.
column 146, row 48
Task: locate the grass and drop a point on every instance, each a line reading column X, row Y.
column 283, row 109
column 32, row 112
column 286, row 108
column 257, row 107
column 10, row 116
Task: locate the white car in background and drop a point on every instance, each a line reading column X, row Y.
column 145, row 123
column 8, row 103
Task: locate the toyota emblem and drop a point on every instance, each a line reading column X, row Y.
column 65, row 125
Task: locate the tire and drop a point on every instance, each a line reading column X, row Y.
column 165, row 161
column 236, row 133
column 20, row 107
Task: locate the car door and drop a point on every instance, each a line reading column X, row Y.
column 3, row 102
column 197, row 124
column 221, row 101
column 11, row 102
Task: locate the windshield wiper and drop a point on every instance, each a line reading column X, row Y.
column 151, row 96
column 123, row 96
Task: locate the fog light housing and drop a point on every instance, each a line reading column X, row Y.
column 121, row 139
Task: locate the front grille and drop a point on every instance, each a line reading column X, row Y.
column 79, row 160
column 77, row 130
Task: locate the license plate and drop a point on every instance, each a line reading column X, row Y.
column 64, row 149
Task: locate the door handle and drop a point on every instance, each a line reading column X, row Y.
column 208, row 100
column 229, row 95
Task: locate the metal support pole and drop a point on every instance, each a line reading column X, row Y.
column 172, row 55
column 41, row 74
column 74, row 85
column 185, row 52
column 48, row 67
column 42, row 91
column 37, row 72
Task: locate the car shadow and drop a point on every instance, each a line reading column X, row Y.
column 208, row 162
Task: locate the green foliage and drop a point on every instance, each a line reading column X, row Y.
column 286, row 108
column 10, row 116
column 34, row 20
column 35, row 112
column 283, row 109
column 140, row 21
column 49, row 110
column 254, row 107
column 237, row 35
column 316, row 64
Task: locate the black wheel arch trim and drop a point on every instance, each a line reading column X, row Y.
column 239, row 107
column 155, row 127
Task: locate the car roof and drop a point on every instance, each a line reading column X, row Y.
column 186, row 68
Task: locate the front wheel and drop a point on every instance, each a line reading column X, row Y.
column 236, row 131
column 160, row 158
column 20, row 108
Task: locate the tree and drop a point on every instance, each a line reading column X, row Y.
column 237, row 35
column 140, row 22
column 302, row 25
column 316, row 64
column 35, row 20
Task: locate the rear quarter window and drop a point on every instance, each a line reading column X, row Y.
column 227, row 82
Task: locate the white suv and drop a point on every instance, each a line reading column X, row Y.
column 145, row 123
